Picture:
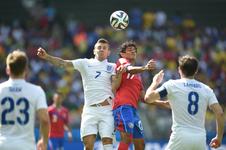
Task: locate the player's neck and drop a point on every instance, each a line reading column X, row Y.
column 189, row 77
column 132, row 61
column 57, row 106
column 22, row 76
column 17, row 77
column 100, row 59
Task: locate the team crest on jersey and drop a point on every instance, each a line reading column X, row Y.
column 131, row 125
column 109, row 68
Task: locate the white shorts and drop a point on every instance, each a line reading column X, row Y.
column 187, row 141
column 97, row 119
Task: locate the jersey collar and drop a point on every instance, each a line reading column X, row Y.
column 104, row 61
column 16, row 80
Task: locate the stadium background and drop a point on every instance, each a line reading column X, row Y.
column 163, row 30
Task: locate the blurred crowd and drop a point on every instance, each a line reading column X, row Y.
column 157, row 35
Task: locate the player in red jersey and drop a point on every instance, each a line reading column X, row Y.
column 128, row 90
column 59, row 122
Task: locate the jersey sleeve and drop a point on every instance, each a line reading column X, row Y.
column 164, row 89
column 79, row 64
column 212, row 99
column 122, row 61
column 41, row 100
column 114, row 70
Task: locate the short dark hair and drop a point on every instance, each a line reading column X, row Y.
column 126, row 44
column 17, row 62
column 188, row 65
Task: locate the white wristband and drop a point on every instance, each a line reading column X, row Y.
column 69, row 134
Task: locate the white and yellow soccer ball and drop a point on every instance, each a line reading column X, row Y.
column 119, row 20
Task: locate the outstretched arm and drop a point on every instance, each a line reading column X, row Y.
column 138, row 69
column 59, row 62
column 216, row 141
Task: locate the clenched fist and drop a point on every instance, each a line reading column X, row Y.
column 151, row 65
column 41, row 53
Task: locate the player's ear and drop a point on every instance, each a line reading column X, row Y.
column 121, row 54
column 179, row 70
column 109, row 52
column 94, row 51
column 26, row 71
column 7, row 70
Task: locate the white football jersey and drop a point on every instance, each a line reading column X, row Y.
column 96, row 79
column 189, row 100
column 19, row 100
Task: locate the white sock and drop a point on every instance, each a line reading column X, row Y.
column 108, row 147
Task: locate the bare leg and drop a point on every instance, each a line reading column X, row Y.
column 88, row 141
column 126, row 139
column 139, row 144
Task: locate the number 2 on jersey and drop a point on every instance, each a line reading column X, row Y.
column 193, row 106
column 22, row 118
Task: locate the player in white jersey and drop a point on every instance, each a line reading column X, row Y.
column 189, row 100
column 96, row 77
column 20, row 101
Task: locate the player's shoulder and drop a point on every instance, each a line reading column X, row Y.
column 36, row 90
column 65, row 109
column 173, row 81
column 81, row 60
column 51, row 108
column 205, row 86
column 122, row 61
column 3, row 84
column 34, row 86
column 110, row 65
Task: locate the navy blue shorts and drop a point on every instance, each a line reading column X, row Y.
column 126, row 119
column 56, row 143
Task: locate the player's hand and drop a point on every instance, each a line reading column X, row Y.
column 151, row 65
column 41, row 145
column 158, row 77
column 121, row 69
column 70, row 138
column 215, row 143
column 41, row 53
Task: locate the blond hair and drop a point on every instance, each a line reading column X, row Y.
column 17, row 62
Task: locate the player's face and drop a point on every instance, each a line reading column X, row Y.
column 101, row 51
column 57, row 99
column 130, row 53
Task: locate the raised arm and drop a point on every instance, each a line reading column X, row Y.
column 138, row 69
column 151, row 94
column 216, row 141
column 116, row 79
column 59, row 62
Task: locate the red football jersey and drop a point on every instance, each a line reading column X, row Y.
column 58, row 117
column 130, row 88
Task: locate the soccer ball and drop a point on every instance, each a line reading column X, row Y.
column 119, row 20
